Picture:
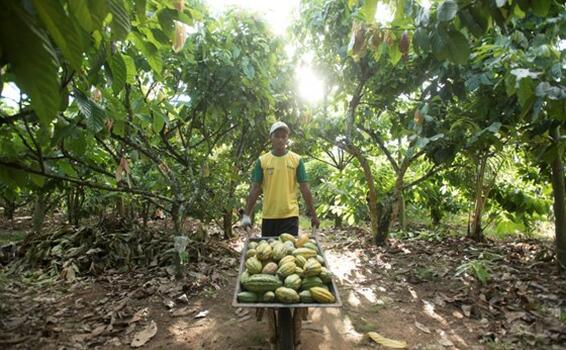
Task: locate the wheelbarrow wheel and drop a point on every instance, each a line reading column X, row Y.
column 285, row 329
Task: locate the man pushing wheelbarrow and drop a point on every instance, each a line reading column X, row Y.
column 275, row 267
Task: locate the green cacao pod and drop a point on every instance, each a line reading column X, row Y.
column 309, row 282
column 253, row 265
column 287, row 269
column 247, row 297
column 252, row 245
column 322, row 295
column 287, row 295
column 284, row 237
column 289, row 247
column 279, row 252
column 325, row 275
column 262, row 283
column 312, row 246
column 300, row 260
column 305, row 252
column 286, row 259
column 320, row 259
column 244, row 276
column 293, row 281
column 250, row 253
column 300, row 272
column 263, row 252
column 312, row 267
column 268, row 297
column 306, row 296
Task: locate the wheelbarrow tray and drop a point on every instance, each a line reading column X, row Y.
column 332, row 287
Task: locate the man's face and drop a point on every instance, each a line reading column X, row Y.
column 279, row 139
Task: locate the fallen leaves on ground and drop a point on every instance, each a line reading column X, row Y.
column 389, row 343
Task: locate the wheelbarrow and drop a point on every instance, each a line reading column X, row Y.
column 285, row 320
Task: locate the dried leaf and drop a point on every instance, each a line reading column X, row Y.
column 202, row 314
column 422, row 327
column 389, row 343
column 97, row 331
column 169, row 303
column 182, row 312
column 139, row 315
column 143, row 336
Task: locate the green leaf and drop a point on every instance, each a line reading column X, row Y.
column 439, row 45
column 120, row 20
column 79, row 9
column 140, row 10
column 474, row 25
column 248, row 68
column 119, row 71
column 541, row 7
column 394, row 54
column 368, row 10
column 130, row 69
column 32, row 59
column 98, row 11
column 93, row 113
column 556, row 109
column 420, row 40
column 167, row 19
column 37, row 180
column 96, row 61
column 352, row 3
column 525, row 93
column 158, row 122
column 458, row 47
column 510, row 84
column 76, row 144
column 447, row 10
column 148, row 50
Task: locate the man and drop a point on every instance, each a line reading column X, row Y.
column 277, row 174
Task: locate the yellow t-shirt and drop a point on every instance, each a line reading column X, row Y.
column 279, row 177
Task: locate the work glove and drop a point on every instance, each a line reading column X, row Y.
column 246, row 221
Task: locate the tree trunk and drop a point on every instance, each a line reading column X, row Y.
column 399, row 195
column 39, row 211
column 379, row 236
column 176, row 217
column 227, row 224
column 475, row 230
column 75, row 198
column 9, row 209
column 337, row 221
column 559, row 205
column 145, row 213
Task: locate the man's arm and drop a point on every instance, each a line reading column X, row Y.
column 255, row 191
column 307, row 195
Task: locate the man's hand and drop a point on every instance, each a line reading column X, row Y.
column 246, row 221
column 314, row 221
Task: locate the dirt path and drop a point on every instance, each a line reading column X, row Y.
column 406, row 292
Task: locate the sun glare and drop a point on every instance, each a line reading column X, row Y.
column 278, row 14
column 310, row 86
column 383, row 14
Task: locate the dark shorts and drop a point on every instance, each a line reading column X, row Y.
column 275, row 227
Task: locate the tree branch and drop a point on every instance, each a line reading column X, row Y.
column 84, row 182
